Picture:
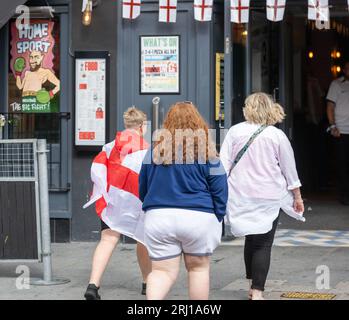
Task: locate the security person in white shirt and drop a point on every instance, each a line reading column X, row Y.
column 338, row 117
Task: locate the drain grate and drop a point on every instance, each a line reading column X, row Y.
column 308, row 296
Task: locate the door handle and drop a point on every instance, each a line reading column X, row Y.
column 276, row 94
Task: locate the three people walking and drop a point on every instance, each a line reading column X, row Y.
column 187, row 190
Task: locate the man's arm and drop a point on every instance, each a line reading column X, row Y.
column 19, row 82
column 55, row 81
column 331, row 119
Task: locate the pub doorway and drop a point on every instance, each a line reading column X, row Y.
column 295, row 62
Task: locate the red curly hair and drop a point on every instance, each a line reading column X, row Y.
column 184, row 137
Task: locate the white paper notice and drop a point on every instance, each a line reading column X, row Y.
column 90, row 102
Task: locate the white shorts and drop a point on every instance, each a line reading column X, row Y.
column 169, row 232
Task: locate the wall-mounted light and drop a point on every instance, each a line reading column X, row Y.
column 244, row 33
column 336, row 70
column 86, row 12
column 335, row 54
column 311, row 55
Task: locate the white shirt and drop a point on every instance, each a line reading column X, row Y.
column 260, row 184
column 339, row 94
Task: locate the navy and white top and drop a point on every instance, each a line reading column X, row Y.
column 198, row 187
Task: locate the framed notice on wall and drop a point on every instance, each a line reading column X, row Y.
column 159, row 65
column 91, row 77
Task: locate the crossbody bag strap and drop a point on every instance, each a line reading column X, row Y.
column 246, row 146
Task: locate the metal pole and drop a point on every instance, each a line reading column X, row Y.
column 44, row 209
column 156, row 106
column 228, row 67
column 45, row 218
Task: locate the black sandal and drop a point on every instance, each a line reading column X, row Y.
column 92, row 292
column 144, row 289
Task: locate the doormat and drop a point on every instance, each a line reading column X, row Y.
column 308, row 296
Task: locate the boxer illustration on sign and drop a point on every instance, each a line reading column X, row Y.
column 33, row 80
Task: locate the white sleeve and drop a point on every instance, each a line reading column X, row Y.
column 333, row 92
column 226, row 154
column 287, row 163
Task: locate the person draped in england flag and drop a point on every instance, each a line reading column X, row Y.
column 114, row 173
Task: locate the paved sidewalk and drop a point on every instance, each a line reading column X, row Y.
column 293, row 269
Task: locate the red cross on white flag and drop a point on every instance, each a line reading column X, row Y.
column 203, row 10
column 318, row 10
column 240, row 11
column 168, row 11
column 131, row 9
column 276, row 10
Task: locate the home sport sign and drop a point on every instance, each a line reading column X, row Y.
column 32, row 64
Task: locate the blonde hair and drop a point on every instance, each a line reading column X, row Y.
column 261, row 109
column 184, row 138
column 134, row 118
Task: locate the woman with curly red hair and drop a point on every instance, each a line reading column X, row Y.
column 184, row 192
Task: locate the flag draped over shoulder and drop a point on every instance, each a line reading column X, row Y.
column 114, row 174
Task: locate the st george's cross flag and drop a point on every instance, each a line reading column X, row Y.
column 240, row 11
column 131, row 9
column 276, row 10
column 203, row 10
column 114, row 174
column 318, row 10
column 168, row 11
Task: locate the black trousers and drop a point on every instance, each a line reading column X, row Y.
column 257, row 255
column 342, row 150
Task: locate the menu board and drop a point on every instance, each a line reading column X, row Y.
column 159, row 64
column 90, row 101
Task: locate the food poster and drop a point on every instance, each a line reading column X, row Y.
column 90, row 104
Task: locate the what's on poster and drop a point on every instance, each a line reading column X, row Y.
column 160, row 64
column 36, row 86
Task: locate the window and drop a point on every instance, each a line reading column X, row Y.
column 33, row 80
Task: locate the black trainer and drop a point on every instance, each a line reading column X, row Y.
column 144, row 289
column 92, row 293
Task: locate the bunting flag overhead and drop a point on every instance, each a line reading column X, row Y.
column 131, row 9
column 318, row 10
column 240, row 11
column 203, row 10
column 168, row 11
column 276, row 10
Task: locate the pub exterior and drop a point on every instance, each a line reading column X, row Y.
column 214, row 64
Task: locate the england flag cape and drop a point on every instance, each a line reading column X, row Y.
column 114, row 174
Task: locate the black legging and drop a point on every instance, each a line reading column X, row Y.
column 257, row 254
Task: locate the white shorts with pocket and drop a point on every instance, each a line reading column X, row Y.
column 169, row 232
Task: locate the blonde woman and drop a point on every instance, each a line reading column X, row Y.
column 184, row 192
column 262, row 179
